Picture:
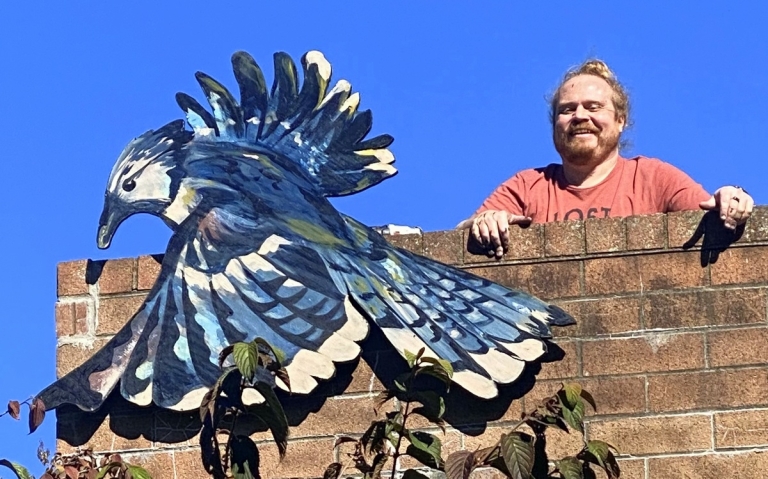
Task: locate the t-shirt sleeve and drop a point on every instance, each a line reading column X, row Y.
column 679, row 192
column 509, row 196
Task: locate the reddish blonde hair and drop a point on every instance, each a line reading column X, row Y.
column 599, row 69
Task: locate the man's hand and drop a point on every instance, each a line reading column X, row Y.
column 734, row 203
column 491, row 230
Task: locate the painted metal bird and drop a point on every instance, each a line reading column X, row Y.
column 258, row 250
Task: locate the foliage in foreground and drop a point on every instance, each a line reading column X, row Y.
column 250, row 372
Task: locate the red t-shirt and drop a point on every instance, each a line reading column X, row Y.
column 636, row 186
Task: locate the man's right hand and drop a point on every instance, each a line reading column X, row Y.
column 490, row 229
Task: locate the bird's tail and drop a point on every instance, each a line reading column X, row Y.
column 318, row 128
column 487, row 332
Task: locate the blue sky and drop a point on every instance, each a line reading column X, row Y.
column 461, row 88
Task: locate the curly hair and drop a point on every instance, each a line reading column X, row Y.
column 599, row 69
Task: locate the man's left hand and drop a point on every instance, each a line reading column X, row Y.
column 734, row 203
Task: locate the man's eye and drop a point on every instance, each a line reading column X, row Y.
column 594, row 107
column 129, row 184
column 566, row 110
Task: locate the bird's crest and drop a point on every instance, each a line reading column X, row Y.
column 318, row 128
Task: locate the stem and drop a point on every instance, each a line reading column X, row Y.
column 396, row 455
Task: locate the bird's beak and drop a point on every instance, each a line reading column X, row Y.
column 111, row 216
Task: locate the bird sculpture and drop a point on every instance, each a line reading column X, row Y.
column 257, row 250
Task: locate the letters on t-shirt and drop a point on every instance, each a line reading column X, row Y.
column 578, row 214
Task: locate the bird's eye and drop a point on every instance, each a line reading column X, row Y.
column 129, row 185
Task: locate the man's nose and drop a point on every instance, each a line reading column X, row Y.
column 580, row 113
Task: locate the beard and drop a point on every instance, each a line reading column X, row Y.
column 583, row 151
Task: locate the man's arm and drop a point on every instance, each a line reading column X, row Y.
column 489, row 226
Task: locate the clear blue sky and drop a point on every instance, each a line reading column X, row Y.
column 460, row 87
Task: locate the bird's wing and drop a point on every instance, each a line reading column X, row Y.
column 487, row 332
column 168, row 352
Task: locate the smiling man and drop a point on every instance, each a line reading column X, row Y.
column 589, row 111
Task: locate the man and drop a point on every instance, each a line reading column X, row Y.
column 589, row 111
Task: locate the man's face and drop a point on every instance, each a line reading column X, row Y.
column 586, row 129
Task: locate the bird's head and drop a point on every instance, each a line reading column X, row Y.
column 145, row 178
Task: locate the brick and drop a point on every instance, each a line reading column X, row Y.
column 704, row 308
column 524, row 243
column 444, row 246
column 741, row 266
column 159, row 464
column 70, row 278
column 123, row 433
column 647, row 232
column 564, row 238
column 682, row 226
column 741, row 428
column 601, row 316
column 613, row 395
column 651, row 352
column 744, row 465
column 756, row 228
column 116, row 276
column 335, row 416
column 188, row 464
column 114, row 312
column 559, row 443
column 643, row 273
column 632, row 468
column 737, row 347
column 148, row 269
column 410, row 242
column 654, row 435
column 172, row 429
column 65, row 319
column 70, row 356
column 703, row 390
column 462, row 409
column 363, row 379
column 547, row 280
column 605, row 235
column 81, row 317
column 303, row 459
column 568, row 367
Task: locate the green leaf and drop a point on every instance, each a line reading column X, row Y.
column 274, row 416
column 599, row 452
column 588, row 397
column 459, row 465
column 517, row 451
column 425, row 448
column 244, row 457
column 570, row 468
column 436, row 372
column 410, row 357
column 571, row 394
column 105, row 469
column 434, row 404
column 209, row 450
column 575, row 417
column 246, row 356
column 138, row 472
column 382, row 399
column 20, row 471
column 278, row 353
column 401, row 381
column 333, row 471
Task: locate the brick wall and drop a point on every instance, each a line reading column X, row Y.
column 671, row 341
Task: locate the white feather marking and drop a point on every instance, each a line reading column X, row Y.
column 351, row 103
column 501, row 367
column 144, row 398
column 323, row 66
column 341, row 86
column 252, row 396
column 381, row 154
column 541, row 315
column 144, row 370
column 527, row 349
column 403, row 339
column 255, row 262
column 356, row 327
column 314, row 364
column 271, row 244
column 301, row 382
column 476, row 384
column 190, row 401
column 339, row 348
column 389, row 169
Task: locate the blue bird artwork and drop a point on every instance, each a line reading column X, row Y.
column 257, row 250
